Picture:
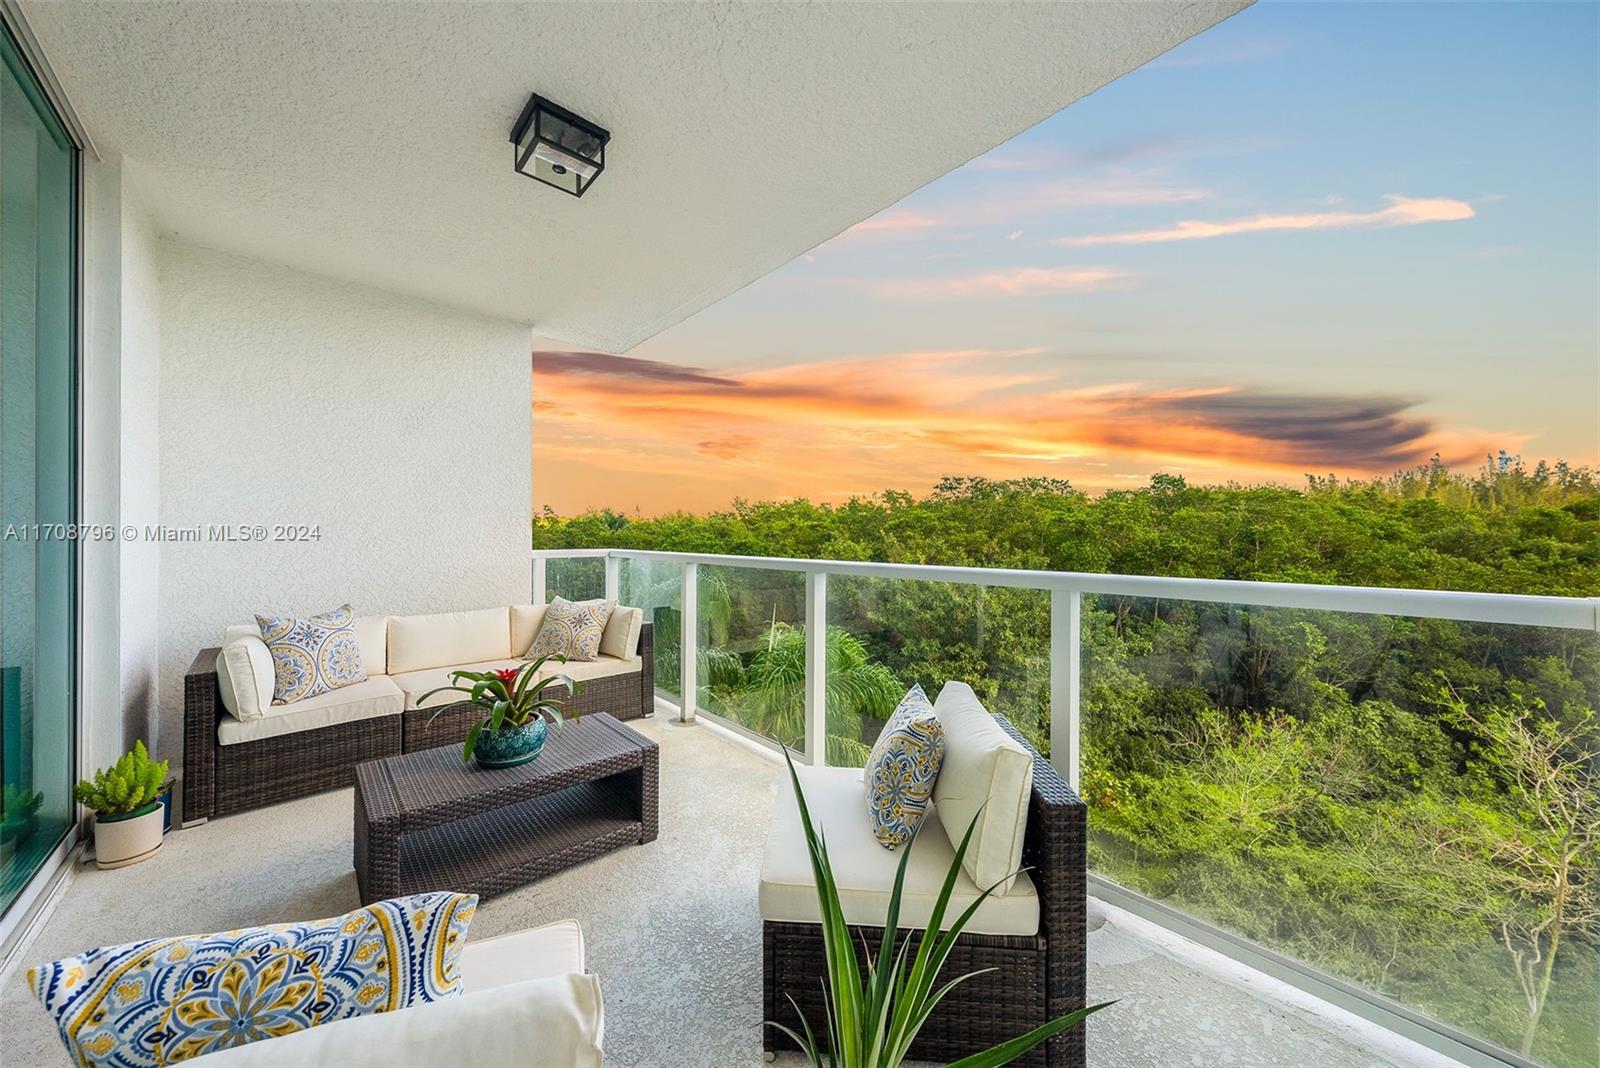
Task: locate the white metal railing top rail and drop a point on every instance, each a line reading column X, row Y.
column 1574, row 613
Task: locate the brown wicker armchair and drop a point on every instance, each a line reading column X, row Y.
column 221, row 779
column 1034, row 979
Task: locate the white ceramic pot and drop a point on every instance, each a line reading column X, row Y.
column 120, row 842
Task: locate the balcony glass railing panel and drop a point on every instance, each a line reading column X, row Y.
column 1402, row 803
column 582, row 579
column 656, row 587
column 1395, row 789
column 886, row 635
column 751, row 663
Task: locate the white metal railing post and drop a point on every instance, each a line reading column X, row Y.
column 817, row 667
column 1066, row 677
column 690, row 641
column 613, row 577
column 539, row 596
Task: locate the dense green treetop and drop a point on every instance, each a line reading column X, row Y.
column 1505, row 529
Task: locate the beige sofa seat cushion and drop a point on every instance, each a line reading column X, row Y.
column 536, row 953
column 525, row 622
column 601, row 667
column 377, row 696
column 621, row 636
column 984, row 769
column 444, row 638
column 542, row 1022
column 865, row 870
column 416, row 683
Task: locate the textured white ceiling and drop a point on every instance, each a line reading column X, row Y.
column 368, row 141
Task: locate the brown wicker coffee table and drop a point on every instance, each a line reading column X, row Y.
column 430, row 821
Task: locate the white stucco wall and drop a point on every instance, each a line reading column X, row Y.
column 398, row 428
column 139, row 481
column 99, row 612
column 120, row 376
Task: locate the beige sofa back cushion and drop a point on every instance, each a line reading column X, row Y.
column 621, row 636
column 984, row 769
column 525, row 620
column 446, row 638
column 245, row 674
column 372, row 634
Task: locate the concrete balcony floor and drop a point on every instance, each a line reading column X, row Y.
column 673, row 932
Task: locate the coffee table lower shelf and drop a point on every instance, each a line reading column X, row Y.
column 506, row 848
column 426, row 821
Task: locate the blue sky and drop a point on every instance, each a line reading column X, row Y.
column 1401, row 255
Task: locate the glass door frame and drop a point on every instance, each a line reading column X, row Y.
column 19, row 915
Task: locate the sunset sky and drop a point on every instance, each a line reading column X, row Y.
column 1317, row 238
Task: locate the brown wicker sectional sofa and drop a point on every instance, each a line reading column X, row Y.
column 231, row 764
column 1038, row 967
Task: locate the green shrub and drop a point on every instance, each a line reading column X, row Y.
column 126, row 786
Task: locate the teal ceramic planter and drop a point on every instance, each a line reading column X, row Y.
column 508, row 748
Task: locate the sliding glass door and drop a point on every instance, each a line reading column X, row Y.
column 37, row 493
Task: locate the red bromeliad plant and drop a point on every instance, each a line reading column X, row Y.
column 510, row 697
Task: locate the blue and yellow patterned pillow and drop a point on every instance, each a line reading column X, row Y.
column 571, row 629
column 312, row 656
column 902, row 768
column 153, row 1003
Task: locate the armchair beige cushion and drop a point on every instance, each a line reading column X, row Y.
column 986, row 770
column 865, row 871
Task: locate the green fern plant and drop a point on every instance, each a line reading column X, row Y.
column 873, row 1018
column 131, row 784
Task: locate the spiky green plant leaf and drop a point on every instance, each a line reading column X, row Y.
column 133, row 782
column 874, row 1018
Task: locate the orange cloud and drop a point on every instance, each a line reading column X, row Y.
column 635, row 433
column 1018, row 282
column 1402, row 211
